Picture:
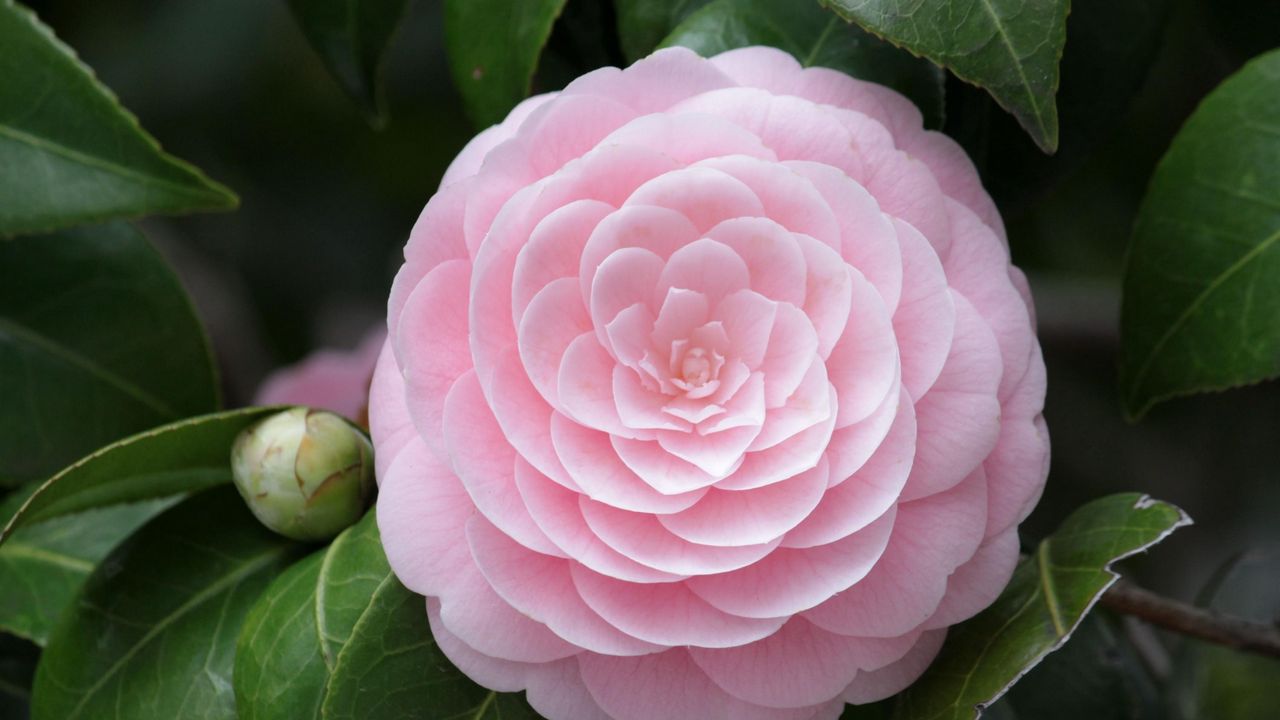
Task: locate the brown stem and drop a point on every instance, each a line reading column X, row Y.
column 1185, row 619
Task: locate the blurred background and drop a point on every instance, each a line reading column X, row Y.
column 327, row 202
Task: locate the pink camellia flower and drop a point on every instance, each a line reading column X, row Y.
column 333, row 380
column 710, row 393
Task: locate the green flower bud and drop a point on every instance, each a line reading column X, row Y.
column 306, row 474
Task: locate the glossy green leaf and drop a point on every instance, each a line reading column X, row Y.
column 1201, row 307
column 352, row 38
column 815, row 37
column 71, row 154
column 494, row 47
column 337, row 636
column 1097, row 675
column 642, row 24
column 1050, row 593
column 97, row 341
column 42, row 566
column 185, row 456
column 152, row 633
column 1009, row 47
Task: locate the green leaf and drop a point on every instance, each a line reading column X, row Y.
column 70, row 153
column 185, row 456
column 1049, row 595
column 1009, row 47
column 152, row 633
column 1097, row 675
column 101, row 341
column 43, row 565
column 494, row 47
column 815, row 37
column 352, row 38
column 642, row 24
column 337, row 636
column 1202, row 282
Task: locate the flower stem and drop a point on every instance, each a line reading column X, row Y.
column 1233, row 632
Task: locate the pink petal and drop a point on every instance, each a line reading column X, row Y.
column 744, row 410
column 748, row 320
column 525, row 418
column 868, row 687
column 906, row 189
column 854, row 503
column 670, row 686
column 628, row 276
column 539, row 586
column 640, row 408
column 585, row 387
column 793, row 346
column 829, row 294
column 788, row 458
column 704, row 196
column 653, row 84
column 627, row 335
column 468, row 161
column 791, row 580
column 686, row 138
column 959, row 418
column 978, row 268
column 658, row 230
column 868, row 240
column 553, row 320
column 746, row 517
column 431, row 343
column 642, row 538
column 977, row 583
column 931, row 538
column 956, row 175
column 809, row 405
column 472, row 611
column 1017, row 468
column 863, row 364
column 774, row 262
column 851, row 446
column 389, row 423
column 422, row 511
column 596, row 468
column 798, row 666
column 437, row 235
column 667, row 613
column 556, row 511
column 925, row 318
column 556, row 690
column 788, row 197
column 554, row 250
column 485, row 462
column 792, row 127
column 495, row 674
column 662, row 471
column 715, row 454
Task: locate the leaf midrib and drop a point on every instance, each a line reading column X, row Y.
column 59, row 351
column 1017, row 66
column 32, row 552
column 83, row 158
column 1191, row 309
column 229, row 581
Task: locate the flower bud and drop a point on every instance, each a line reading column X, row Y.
column 306, row 474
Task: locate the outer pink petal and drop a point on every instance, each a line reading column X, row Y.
column 855, row 502
column 557, row 512
column 540, row 586
column 485, row 462
column 977, row 583
column 798, row 666
column 655, row 83
column 959, row 418
column 791, row 580
column 932, row 537
column 642, row 538
column 868, row 687
column 389, row 422
column 745, row 517
column 925, row 318
column 431, row 344
column 495, row 674
column 667, row 613
column 670, row 686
